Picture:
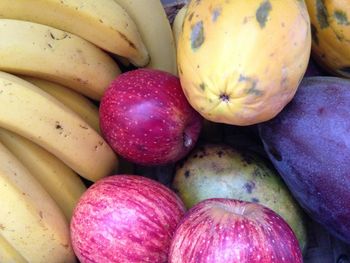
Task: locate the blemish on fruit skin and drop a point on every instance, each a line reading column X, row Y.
column 197, row 35
column 123, row 36
column 322, row 14
column 215, row 14
column 252, row 88
column 190, row 16
column 202, row 86
column 187, row 173
column 262, row 13
column 255, row 200
column 341, row 17
column 249, row 186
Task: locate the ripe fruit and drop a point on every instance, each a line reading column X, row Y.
column 220, row 171
column 228, row 230
column 309, row 144
column 125, row 218
column 331, row 34
column 240, row 62
column 146, row 118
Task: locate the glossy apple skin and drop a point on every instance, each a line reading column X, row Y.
column 230, row 231
column 125, row 218
column 146, row 118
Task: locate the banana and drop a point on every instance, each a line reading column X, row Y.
column 103, row 23
column 77, row 102
column 32, row 113
column 9, row 254
column 155, row 29
column 178, row 21
column 64, row 186
column 32, row 227
column 41, row 51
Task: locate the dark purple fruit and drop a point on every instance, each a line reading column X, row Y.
column 309, row 144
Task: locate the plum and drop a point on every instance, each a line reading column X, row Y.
column 309, row 144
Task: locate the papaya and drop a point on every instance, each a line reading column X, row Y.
column 330, row 27
column 309, row 145
column 221, row 171
column 240, row 62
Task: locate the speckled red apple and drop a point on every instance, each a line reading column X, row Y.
column 226, row 230
column 145, row 118
column 125, row 218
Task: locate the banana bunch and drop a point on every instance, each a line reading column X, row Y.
column 57, row 57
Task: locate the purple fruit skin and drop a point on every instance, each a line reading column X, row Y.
column 309, row 144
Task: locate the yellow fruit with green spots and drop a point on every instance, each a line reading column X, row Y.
column 240, row 62
column 330, row 26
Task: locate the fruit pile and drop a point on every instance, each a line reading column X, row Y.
column 248, row 133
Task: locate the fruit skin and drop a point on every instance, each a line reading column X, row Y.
column 221, row 171
column 308, row 143
column 63, row 185
column 226, row 230
column 81, row 105
column 155, row 30
column 125, row 218
column 32, row 225
column 145, row 117
column 331, row 34
column 45, row 52
column 34, row 114
column 104, row 23
column 313, row 69
column 240, row 85
column 178, row 22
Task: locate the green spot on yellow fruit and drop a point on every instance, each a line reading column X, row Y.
column 262, row 13
column 215, row 14
column 322, row 14
column 202, row 86
column 197, row 35
column 341, row 17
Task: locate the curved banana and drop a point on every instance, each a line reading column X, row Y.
column 9, row 254
column 76, row 101
column 48, row 53
column 103, row 23
column 178, row 21
column 32, row 113
column 155, row 29
column 64, row 186
column 32, row 226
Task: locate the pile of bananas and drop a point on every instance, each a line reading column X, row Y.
column 57, row 57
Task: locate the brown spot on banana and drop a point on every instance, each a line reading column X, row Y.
column 124, row 37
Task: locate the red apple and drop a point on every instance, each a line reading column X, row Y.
column 145, row 117
column 125, row 218
column 226, row 230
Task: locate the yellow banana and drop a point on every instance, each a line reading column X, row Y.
column 155, row 29
column 9, row 254
column 64, row 186
column 102, row 22
column 178, row 21
column 76, row 101
column 29, row 111
column 32, row 227
column 48, row 53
